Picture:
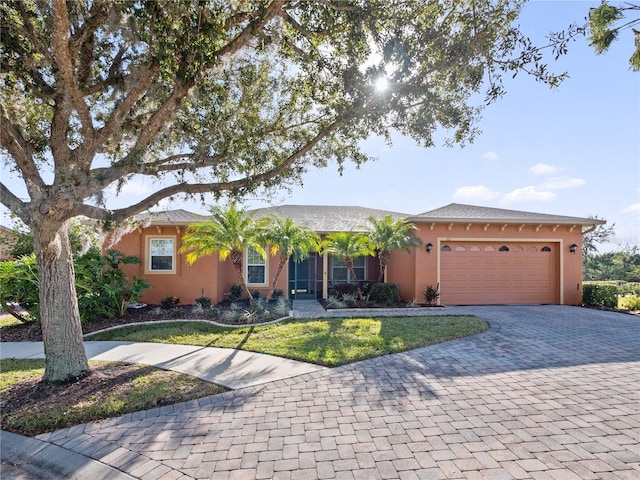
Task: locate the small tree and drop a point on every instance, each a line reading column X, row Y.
column 347, row 246
column 229, row 233
column 600, row 234
column 387, row 235
column 290, row 240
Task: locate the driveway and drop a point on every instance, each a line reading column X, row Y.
column 548, row 392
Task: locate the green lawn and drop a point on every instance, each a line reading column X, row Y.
column 330, row 342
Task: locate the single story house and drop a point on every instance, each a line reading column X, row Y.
column 476, row 255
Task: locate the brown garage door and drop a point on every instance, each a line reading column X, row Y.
column 477, row 273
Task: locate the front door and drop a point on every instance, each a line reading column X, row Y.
column 302, row 278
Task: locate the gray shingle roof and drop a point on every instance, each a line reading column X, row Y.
column 456, row 212
column 327, row 218
column 333, row 218
column 170, row 217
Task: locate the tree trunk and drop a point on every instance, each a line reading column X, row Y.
column 236, row 260
column 348, row 261
column 383, row 256
column 65, row 358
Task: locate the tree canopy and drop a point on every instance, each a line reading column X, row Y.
column 221, row 97
column 229, row 96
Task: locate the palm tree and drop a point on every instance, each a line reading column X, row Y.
column 291, row 240
column 347, row 246
column 387, row 235
column 230, row 232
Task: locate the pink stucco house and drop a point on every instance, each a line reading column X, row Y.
column 477, row 255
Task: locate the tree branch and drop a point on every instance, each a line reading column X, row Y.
column 191, row 189
column 61, row 44
column 13, row 203
column 11, row 139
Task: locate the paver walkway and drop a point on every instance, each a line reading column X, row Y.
column 548, row 392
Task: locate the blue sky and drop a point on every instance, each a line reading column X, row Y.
column 574, row 150
column 571, row 151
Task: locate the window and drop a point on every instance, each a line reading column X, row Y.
column 256, row 268
column 340, row 272
column 546, row 249
column 503, row 248
column 161, row 254
column 446, row 248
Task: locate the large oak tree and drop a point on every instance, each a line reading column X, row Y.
column 222, row 97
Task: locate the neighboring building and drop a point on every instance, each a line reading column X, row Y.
column 477, row 255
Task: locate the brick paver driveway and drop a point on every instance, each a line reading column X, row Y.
column 547, row 392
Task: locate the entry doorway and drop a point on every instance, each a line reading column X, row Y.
column 302, row 278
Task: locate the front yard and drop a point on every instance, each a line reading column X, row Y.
column 30, row 407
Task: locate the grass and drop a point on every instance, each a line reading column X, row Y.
column 329, row 342
column 8, row 321
column 30, row 407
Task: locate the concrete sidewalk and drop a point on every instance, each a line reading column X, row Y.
column 230, row 368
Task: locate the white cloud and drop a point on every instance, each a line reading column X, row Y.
column 530, row 193
column 544, row 169
column 476, row 192
column 559, row 183
column 635, row 208
column 489, row 156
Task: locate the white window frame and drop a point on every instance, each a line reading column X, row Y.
column 342, row 265
column 263, row 263
column 150, row 254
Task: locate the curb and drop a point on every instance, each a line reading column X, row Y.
column 51, row 462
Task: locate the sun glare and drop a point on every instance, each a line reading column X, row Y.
column 382, row 84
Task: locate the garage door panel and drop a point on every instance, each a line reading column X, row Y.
column 478, row 273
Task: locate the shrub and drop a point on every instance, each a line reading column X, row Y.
column 632, row 303
column 19, row 284
column 350, row 299
column 169, row 302
column 234, row 293
column 277, row 294
column 597, row 295
column 102, row 287
column 334, row 302
column 204, row 302
column 386, row 293
column 342, row 289
column 255, row 294
column 282, row 307
column 431, row 294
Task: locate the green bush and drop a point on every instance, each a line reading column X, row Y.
column 600, row 295
column 103, row 289
column 234, row 293
column 632, row 303
column 169, row 302
column 205, row 302
column 431, row 294
column 19, row 284
column 385, row 293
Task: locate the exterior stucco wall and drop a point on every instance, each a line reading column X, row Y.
column 186, row 282
column 413, row 270
column 426, row 270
